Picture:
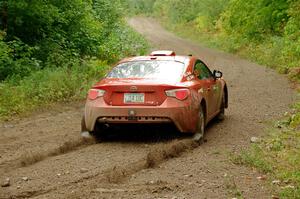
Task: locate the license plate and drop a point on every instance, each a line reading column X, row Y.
column 134, row 98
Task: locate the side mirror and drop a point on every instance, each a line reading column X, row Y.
column 217, row 74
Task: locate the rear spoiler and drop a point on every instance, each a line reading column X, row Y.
column 163, row 53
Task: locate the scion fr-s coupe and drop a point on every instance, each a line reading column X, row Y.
column 160, row 88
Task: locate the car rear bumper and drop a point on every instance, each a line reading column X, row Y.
column 181, row 113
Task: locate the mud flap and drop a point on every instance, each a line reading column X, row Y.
column 199, row 134
column 197, row 137
column 84, row 132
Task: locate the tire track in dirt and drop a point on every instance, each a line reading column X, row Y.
column 58, row 170
column 116, row 174
column 39, row 133
column 25, row 143
column 31, row 157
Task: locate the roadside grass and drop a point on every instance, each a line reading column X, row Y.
column 232, row 188
column 278, row 156
column 48, row 86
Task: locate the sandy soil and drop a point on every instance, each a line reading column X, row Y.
column 44, row 156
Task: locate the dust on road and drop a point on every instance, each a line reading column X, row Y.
column 136, row 168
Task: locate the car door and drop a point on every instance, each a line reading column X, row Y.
column 210, row 87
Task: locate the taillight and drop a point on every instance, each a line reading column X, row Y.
column 95, row 93
column 180, row 94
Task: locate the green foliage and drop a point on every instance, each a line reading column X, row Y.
column 60, row 27
column 266, row 31
column 279, row 156
column 49, row 49
column 138, row 6
column 123, row 42
column 254, row 157
column 15, row 59
column 58, row 33
column 253, row 19
column 109, row 14
column 291, row 50
column 178, row 11
column 43, row 87
column 294, row 120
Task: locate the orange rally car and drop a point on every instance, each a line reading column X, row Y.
column 160, row 88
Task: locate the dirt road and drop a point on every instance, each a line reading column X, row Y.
column 44, row 156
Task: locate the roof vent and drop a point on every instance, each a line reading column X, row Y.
column 163, row 53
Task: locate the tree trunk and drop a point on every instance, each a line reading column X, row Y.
column 4, row 15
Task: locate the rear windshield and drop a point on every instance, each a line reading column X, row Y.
column 164, row 70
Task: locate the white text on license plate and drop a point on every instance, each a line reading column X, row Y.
column 134, row 98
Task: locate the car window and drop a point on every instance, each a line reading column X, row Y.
column 202, row 71
column 154, row 69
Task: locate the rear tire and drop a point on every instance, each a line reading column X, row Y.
column 200, row 128
column 99, row 133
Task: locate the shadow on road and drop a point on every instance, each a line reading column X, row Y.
column 145, row 133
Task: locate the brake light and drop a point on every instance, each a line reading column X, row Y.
column 180, row 94
column 95, row 93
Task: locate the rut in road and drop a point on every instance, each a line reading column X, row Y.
column 256, row 96
column 117, row 174
column 31, row 157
